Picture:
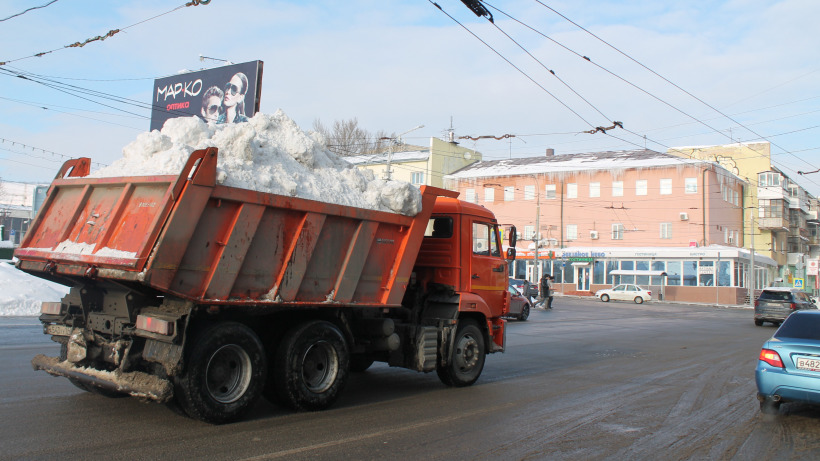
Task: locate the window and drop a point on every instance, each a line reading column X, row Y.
column 771, row 208
column 768, row 178
column 509, row 193
column 529, row 232
column 598, row 269
column 666, row 187
column 658, row 266
column 666, row 230
column 674, row 273
column 691, row 185
column 617, row 232
column 417, row 178
column 484, row 240
column 594, row 189
column 640, row 187
column 690, row 273
column 572, row 232
column 489, row 194
column 440, row 227
column 529, row 192
column 723, row 274
column 572, row 190
column 469, row 195
column 617, row 188
column 706, row 274
column 549, row 191
column 736, row 198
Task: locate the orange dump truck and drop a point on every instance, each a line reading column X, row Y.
column 211, row 296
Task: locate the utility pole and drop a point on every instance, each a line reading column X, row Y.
column 537, row 227
column 752, row 278
column 388, row 172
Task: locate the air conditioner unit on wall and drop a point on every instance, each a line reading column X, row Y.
column 684, row 216
column 593, row 235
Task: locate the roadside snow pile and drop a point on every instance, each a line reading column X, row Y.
column 21, row 293
column 270, row 153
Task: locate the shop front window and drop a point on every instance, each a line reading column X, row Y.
column 598, row 269
column 674, row 273
column 658, row 266
column 724, row 273
column 690, row 273
column 707, row 273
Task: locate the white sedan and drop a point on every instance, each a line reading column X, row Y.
column 625, row 292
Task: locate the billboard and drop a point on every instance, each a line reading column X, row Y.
column 227, row 94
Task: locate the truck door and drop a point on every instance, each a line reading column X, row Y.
column 488, row 269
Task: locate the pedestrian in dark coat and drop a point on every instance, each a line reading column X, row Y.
column 545, row 289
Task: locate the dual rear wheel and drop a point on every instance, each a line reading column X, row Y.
column 227, row 370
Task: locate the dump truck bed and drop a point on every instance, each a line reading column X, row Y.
column 187, row 236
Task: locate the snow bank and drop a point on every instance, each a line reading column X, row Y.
column 270, row 153
column 22, row 294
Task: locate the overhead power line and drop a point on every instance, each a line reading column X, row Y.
column 108, row 34
column 667, row 80
column 27, row 10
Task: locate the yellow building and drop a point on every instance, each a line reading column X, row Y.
column 779, row 215
column 420, row 166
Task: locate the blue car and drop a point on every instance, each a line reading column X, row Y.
column 789, row 365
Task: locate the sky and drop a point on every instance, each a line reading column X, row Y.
column 673, row 73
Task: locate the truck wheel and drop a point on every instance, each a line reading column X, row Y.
column 311, row 366
column 224, row 374
column 360, row 362
column 759, row 322
column 467, row 356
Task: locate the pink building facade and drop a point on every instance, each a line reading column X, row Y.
column 609, row 217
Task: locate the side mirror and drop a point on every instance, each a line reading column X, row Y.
column 513, row 238
column 511, row 254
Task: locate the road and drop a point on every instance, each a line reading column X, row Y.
column 587, row 380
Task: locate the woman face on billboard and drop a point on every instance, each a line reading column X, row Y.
column 235, row 91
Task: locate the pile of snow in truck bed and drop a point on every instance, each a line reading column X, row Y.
column 270, row 153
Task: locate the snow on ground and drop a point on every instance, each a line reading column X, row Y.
column 21, row 294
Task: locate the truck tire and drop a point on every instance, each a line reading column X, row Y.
column 466, row 358
column 311, row 366
column 224, row 373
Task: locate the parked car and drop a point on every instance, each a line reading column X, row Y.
column 776, row 303
column 625, row 292
column 519, row 304
column 530, row 290
column 788, row 369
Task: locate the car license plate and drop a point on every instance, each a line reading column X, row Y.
column 806, row 363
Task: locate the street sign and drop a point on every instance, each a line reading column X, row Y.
column 798, row 283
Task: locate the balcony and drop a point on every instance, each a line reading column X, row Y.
column 773, row 224
column 772, row 193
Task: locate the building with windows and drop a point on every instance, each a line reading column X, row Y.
column 418, row 166
column 606, row 217
column 17, row 208
column 780, row 217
